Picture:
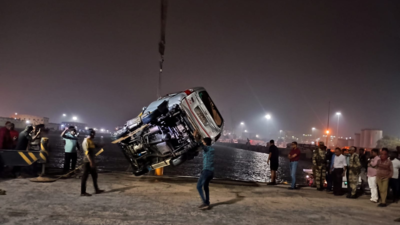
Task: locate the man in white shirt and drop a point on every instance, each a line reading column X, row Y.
column 338, row 169
column 394, row 181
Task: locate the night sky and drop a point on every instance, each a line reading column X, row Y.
column 98, row 60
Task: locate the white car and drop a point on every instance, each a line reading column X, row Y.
column 162, row 134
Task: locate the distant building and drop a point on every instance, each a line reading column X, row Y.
column 22, row 120
column 19, row 124
column 342, row 142
column 370, row 137
column 53, row 126
column 351, row 142
column 357, row 140
column 30, row 119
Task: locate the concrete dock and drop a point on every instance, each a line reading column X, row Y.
column 174, row 200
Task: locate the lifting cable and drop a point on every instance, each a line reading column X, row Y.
column 161, row 44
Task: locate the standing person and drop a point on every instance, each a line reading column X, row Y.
column 207, row 174
column 384, row 171
column 354, row 168
column 273, row 157
column 294, row 156
column 25, row 138
column 347, row 155
column 89, row 166
column 6, row 142
column 36, row 137
column 363, row 170
column 371, row 173
column 394, row 181
column 71, row 145
column 329, row 178
column 338, row 170
column 14, row 135
column 319, row 163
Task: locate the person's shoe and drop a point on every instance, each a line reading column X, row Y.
column 204, row 207
column 271, row 183
column 99, row 192
column 374, row 201
column 320, row 189
column 290, row 188
column 86, row 194
column 327, row 190
column 382, row 205
column 351, row 196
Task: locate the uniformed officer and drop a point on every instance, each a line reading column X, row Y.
column 354, row 168
column 319, row 165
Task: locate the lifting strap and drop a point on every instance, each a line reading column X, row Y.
column 161, row 44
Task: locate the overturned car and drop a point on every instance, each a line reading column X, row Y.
column 162, row 134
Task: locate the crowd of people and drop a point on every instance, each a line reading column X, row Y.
column 30, row 139
column 378, row 170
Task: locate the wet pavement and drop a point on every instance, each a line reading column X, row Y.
column 230, row 163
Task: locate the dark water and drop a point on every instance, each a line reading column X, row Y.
column 230, row 163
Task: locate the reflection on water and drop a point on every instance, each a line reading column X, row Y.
column 237, row 164
column 230, row 163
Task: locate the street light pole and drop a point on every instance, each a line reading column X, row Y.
column 338, row 117
column 268, row 117
column 327, row 131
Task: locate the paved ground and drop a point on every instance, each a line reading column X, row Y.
column 152, row 200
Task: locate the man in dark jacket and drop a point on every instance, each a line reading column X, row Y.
column 329, row 178
column 273, row 161
column 25, row 138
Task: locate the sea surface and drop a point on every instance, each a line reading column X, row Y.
column 230, row 163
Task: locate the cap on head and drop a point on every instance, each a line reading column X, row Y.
column 272, row 142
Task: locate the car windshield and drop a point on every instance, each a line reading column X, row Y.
column 212, row 109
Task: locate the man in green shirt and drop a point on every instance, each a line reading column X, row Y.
column 71, row 144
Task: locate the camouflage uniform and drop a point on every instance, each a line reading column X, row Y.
column 354, row 172
column 319, row 162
